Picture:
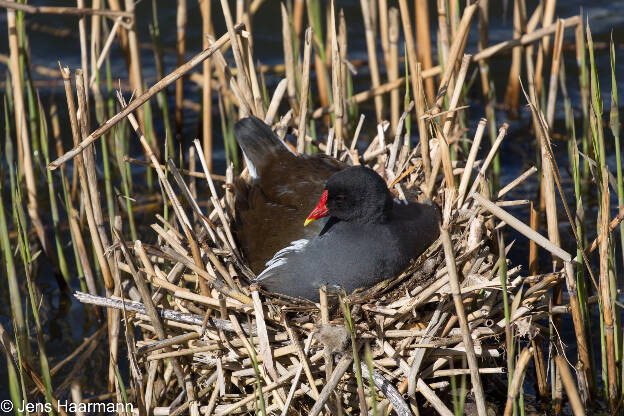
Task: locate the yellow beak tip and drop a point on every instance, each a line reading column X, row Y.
column 307, row 221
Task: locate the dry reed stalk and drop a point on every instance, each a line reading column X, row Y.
column 570, row 386
column 298, row 17
column 331, row 382
column 136, row 77
column 84, row 55
column 91, row 182
column 337, row 87
column 180, row 51
column 486, row 163
column 393, row 65
column 101, row 57
column 518, row 377
column 472, row 156
column 371, row 47
column 344, row 59
column 76, row 11
column 206, row 13
column 423, row 39
column 23, row 140
column 196, row 264
column 544, row 46
column 554, row 75
column 258, row 102
column 457, row 48
column 503, row 191
column 463, row 324
column 242, row 76
column 86, row 194
column 538, row 357
column 244, row 105
column 305, row 88
column 443, row 33
column 276, row 100
column 512, row 94
column 327, row 353
column 18, row 361
column 155, row 320
column 186, row 172
column 605, row 289
column 96, row 32
column 443, row 155
column 436, row 70
column 384, row 33
column 289, row 60
column 141, row 99
column 416, row 78
column 522, row 228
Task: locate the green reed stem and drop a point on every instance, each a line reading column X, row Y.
column 346, row 312
column 502, row 273
column 52, row 194
column 162, row 94
column 14, row 292
column 614, row 123
column 371, row 384
column 24, row 249
column 124, row 170
column 254, row 360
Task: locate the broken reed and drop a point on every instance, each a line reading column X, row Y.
column 239, row 94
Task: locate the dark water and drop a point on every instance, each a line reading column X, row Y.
column 65, row 323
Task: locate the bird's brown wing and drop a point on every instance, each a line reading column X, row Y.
column 271, row 210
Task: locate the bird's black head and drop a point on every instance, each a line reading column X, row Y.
column 356, row 194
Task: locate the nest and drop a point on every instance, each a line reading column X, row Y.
column 242, row 349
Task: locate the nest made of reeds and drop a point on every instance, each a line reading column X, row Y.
column 238, row 341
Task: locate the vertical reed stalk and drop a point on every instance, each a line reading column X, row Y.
column 512, row 95
column 371, row 47
column 62, row 262
column 393, row 65
column 24, row 250
column 463, row 323
column 554, row 74
column 614, row 123
column 487, row 86
column 412, row 74
column 423, row 40
column 206, row 12
column 346, row 312
column 384, row 32
column 180, row 52
column 162, row 94
column 349, row 109
column 604, row 233
column 289, row 60
column 336, row 78
column 509, row 338
column 581, row 59
column 11, row 275
column 305, row 88
column 443, row 33
column 23, row 141
column 314, row 21
column 86, row 194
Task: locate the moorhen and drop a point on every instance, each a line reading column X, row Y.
column 280, row 191
column 357, row 235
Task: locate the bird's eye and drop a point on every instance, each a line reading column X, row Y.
column 340, row 198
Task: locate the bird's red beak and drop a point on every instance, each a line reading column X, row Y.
column 319, row 212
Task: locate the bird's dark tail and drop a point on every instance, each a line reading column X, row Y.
column 258, row 142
